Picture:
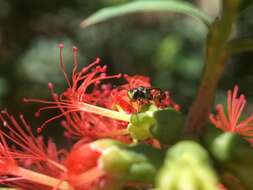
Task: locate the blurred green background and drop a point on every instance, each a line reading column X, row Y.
column 165, row 46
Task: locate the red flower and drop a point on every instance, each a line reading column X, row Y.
column 93, row 110
column 83, row 101
column 28, row 163
column 83, row 170
column 231, row 121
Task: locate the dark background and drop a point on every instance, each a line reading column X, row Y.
column 167, row 47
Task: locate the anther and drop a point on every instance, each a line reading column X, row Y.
column 39, row 130
column 75, row 49
column 61, row 45
column 97, row 60
column 37, row 114
column 50, row 85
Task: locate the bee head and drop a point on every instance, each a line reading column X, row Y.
column 132, row 94
column 139, row 93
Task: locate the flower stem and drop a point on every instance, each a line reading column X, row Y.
column 41, row 178
column 216, row 55
column 104, row 112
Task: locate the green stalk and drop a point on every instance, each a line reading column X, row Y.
column 216, row 55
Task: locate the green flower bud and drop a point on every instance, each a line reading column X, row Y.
column 188, row 150
column 118, row 162
column 233, row 154
column 140, row 124
column 154, row 156
column 168, row 125
column 187, row 167
column 187, row 180
column 131, row 163
column 163, row 124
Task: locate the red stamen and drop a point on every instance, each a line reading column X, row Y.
column 230, row 122
column 61, row 46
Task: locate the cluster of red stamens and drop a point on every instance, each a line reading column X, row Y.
column 229, row 119
column 92, row 109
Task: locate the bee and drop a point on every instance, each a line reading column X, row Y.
column 146, row 95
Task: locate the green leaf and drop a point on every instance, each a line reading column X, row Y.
column 144, row 6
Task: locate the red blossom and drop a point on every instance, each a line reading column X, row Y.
column 83, row 171
column 84, row 88
column 92, row 109
column 231, row 121
column 27, row 162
